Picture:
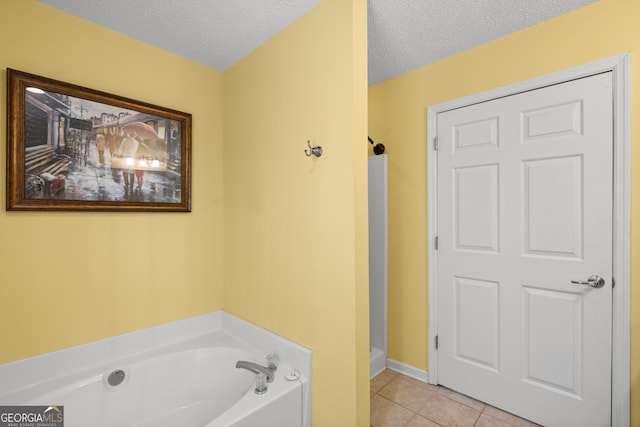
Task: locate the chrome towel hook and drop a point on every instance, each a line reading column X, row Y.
column 316, row 151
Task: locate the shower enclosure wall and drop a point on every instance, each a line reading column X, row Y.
column 378, row 263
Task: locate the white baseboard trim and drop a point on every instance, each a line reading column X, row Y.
column 408, row 370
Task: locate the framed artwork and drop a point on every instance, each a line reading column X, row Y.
column 74, row 148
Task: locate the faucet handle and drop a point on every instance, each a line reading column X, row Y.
column 273, row 360
column 261, row 383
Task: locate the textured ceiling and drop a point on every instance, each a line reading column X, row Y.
column 407, row 34
column 403, row 34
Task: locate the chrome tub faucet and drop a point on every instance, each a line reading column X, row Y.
column 256, row 369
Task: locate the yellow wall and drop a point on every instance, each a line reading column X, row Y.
column 70, row 277
column 277, row 244
column 295, row 255
column 397, row 118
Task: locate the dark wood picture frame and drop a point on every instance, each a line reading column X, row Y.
column 71, row 148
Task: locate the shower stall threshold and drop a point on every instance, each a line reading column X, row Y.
column 377, row 361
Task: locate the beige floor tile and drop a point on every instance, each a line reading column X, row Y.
column 422, row 384
column 385, row 413
column 449, row 413
column 401, row 401
column 381, row 380
column 488, row 421
column 475, row 404
column 508, row 418
column 420, row 421
column 406, row 393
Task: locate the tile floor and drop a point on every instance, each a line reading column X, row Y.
column 401, row 401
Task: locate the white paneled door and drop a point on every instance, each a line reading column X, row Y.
column 524, row 259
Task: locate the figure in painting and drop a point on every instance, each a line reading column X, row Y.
column 127, row 152
column 100, row 143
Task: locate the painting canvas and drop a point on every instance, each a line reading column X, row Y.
column 73, row 148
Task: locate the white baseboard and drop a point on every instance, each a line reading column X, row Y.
column 408, row 370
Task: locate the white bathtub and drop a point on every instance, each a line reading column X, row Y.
column 188, row 383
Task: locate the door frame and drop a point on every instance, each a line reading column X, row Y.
column 621, row 333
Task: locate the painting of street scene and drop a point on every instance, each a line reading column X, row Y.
column 76, row 149
column 102, row 152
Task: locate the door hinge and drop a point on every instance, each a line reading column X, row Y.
column 435, row 143
column 436, row 342
column 613, row 282
column 435, row 243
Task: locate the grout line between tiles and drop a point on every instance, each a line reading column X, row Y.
column 437, row 391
